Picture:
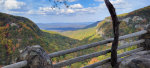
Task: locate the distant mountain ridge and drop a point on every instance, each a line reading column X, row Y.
column 91, row 25
column 62, row 26
column 75, row 26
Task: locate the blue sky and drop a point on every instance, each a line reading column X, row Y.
column 40, row 11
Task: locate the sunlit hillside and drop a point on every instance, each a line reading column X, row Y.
column 80, row 34
column 16, row 33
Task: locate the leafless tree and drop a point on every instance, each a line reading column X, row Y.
column 116, row 33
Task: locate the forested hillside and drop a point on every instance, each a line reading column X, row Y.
column 130, row 22
column 88, row 32
column 16, row 33
column 80, row 34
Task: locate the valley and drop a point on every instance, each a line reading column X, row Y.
column 61, row 27
column 17, row 32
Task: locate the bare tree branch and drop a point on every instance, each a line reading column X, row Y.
column 116, row 33
column 57, row 3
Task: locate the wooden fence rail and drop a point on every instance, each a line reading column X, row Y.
column 17, row 65
column 108, row 59
column 88, row 56
column 96, row 54
column 63, row 52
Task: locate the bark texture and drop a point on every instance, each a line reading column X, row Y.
column 116, row 33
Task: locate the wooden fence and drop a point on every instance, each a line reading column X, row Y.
column 92, row 55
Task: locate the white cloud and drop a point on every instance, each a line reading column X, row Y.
column 72, row 0
column 73, row 9
column 70, row 11
column 112, row 1
column 49, row 10
column 11, row 4
column 30, row 12
column 15, row 12
column 87, row 10
column 46, row 9
column 118, row 4
column 117, row 1
column 76, row 6
column 77, row 9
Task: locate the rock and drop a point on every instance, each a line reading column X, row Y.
column 107, row 65
column 36, row 57
column 135, row 18
column 13, row 24
column 138, row 60
column 126, row 19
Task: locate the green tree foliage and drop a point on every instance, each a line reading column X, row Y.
column 16, row 33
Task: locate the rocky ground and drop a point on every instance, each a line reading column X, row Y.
column 137, row 60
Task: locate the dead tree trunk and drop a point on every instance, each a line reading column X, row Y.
column 116, row 33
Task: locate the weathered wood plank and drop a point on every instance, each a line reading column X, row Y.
column 77, row 59
column 96, row 54
column 108, row 59
column 17, row 65
column 130, row 44
column 63, row 52
column 81, row 58
column 133, row 34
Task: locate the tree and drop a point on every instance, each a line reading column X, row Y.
column 116, row 33
column 115, row 27
column 56, row 3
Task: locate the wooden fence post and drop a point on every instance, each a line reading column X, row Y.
column 36, row 57
column 116, row 33
column 146, row 44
